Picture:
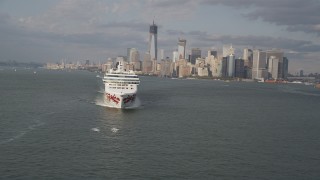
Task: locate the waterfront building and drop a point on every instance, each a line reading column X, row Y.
column 157, row 67
column 273, row 66
column 182, row 48
column 166, row 68
column 209, row 61
column 137, row 65
column 184, row 71
column 213, row 53
column 129, row 67
column 261, row 63
column 203, row 71
column 162, row 54
column 200, row 62
column 239, row 68
column 134, row 55
column 259, row 69
column 195, row 53
column 277, row 54
column 147, row 64
column 285, row 66
column 183, row 68
column 247, row 57
column 87, row 63
column 189, row 58
column 108, row 65
column 301, row 73
column 248, row 62
column 175, row 56
column 230, row 65
column 224, row 67
column 53, row 66
column 216, row 69
column 128, row 54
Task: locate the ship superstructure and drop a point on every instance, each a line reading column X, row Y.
column 120, row 87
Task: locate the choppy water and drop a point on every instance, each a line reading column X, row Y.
column 52, row 126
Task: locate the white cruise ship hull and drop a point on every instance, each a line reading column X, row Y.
column 120, row 101
column 120, row 87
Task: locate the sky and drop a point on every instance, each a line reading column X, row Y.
column 51, row 30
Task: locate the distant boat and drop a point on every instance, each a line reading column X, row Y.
column 275, row 81
column 308, row 84
column 296, row 82
column 259, row 79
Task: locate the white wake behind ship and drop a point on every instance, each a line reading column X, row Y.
column 120, row 87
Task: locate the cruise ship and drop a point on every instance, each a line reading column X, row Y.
column 120, row 87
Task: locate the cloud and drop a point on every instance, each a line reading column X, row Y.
column 129, row 26
column 168, row 10
column 207, row 39
column 174, row 32
column 297, row 15
column 106, row 40
column 67, row 16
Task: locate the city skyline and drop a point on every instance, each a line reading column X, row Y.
column 51, row 30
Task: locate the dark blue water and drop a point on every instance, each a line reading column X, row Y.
column 53, row 127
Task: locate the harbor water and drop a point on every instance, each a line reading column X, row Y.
column 53, row 125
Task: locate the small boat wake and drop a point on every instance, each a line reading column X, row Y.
column 101, row 91
column 114, row 130
column 101, row 102
column 35, row 125
column 136, row 105
column 95, row 129
column 293, row 90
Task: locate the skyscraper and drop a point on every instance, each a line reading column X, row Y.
column 231, row 65
column 195, row 53
column 134, row 55
column 278, row 54
column 227, row 50
column 247, row 57
column 259, row 69
column 239, row 68
column 131, row 54
column 182, row 48
column 128, row 54
column 153, row 36
column 213, row 53
column 285, row 66
column 175, row 56
column 273, row 67
column 162, row 54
